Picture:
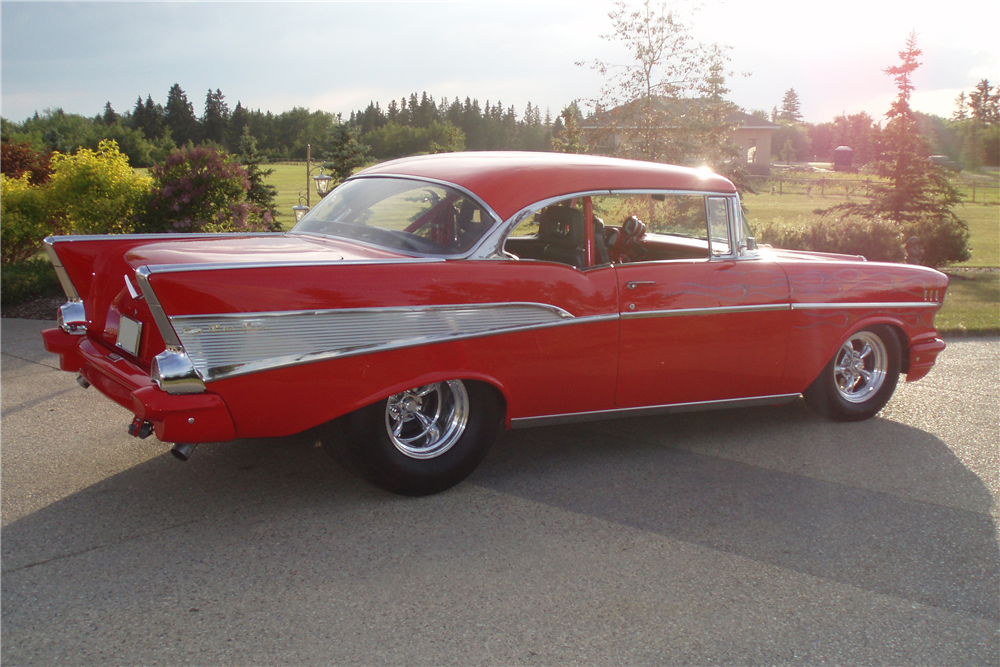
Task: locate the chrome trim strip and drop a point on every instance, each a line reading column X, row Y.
column 61, row 273
column 227, row 345
column 719, row 310
column 226, row 266
column 620, row 413
column 162, row 321
column 866, row 305
column 156, row 237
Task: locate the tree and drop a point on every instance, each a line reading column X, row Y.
column 109, row 116
column 215, row 122
column 790, row 109
column 911, row 193
column 567, row 140
column 259, row 193
column 665, row 104
column 179, row 118
column 20, row 159
column 345, row 152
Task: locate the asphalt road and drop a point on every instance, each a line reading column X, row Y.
column 757, row 536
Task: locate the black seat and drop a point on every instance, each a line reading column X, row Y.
column 562, row 233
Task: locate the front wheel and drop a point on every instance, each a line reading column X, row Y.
column 860, row 378
column 420, row 441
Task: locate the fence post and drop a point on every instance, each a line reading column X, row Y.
column 781, row 182
column 973, row 192
column 822, row 186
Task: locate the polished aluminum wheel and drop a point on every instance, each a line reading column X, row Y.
column 860, row 367
column 426, row 422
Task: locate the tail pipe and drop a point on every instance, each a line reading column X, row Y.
column 183, row 451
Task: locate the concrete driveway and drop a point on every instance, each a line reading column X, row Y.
column 757, row 536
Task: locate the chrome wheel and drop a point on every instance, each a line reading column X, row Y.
column 425, row 422
column 860, row 366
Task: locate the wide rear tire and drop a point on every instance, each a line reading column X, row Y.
column 421, row 441
column 860, row 378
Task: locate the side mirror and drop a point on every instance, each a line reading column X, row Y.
column 751, row 243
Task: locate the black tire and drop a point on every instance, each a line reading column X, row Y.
column 420, row 441
column 860, row 378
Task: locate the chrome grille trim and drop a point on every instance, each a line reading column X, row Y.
column 227, row 345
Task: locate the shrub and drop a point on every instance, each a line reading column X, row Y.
column 25, row 218
column 875, row 239
column 18, row 159
column 23, row 281
column 97, row 192
column 201, row 190
column 941, row 240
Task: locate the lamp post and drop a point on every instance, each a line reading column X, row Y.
column 323, row 184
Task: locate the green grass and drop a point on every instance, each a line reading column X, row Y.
column 983, row 220
column 972, row 304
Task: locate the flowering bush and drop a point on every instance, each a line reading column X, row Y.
column 200, row 189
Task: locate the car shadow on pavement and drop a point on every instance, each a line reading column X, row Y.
column 877, row 505
column 779, row 486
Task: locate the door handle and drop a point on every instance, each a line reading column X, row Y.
column 635, row 283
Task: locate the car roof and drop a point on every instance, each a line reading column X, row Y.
column 509, row 181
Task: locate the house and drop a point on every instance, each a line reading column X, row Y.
column 753, row 136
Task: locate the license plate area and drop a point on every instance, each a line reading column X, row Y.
column 129, row 335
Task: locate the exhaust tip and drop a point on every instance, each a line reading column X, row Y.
column 183, row 452
column 82, row 382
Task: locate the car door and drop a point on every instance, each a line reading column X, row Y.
column 710, row 329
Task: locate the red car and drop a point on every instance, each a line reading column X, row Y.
column 426, row 301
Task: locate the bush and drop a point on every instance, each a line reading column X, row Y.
column 26, row 218
column 97, row 192
column 941, row 240
column 202, row 190
column 30, row 279
column 875, row 239
column 18, row 159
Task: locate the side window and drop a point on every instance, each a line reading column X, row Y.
column 718, row 225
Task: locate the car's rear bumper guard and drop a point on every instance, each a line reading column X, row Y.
column 188, row 418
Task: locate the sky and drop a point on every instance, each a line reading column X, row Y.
column 339, row 56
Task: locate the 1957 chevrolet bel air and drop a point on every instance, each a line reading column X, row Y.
column 426, row 301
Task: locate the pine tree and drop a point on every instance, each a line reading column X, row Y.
column 179, row 117
column 911, row 192
column 261, row 194
column 790, row 109
column 215, row 122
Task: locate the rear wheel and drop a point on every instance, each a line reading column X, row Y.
column 420, row 441
column 860, row 378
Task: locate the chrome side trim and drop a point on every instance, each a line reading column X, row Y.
column 156, row 237
column 227, row 345
column 162, row 321
column 174, row 373
column 865, row 305
column 719, row 310
column 621, row 413
column 64, row 280
column 226, row 266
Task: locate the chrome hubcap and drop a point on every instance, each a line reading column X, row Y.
column 427, row 421
column 860, row 367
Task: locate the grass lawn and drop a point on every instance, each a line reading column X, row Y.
column 290, row 179
column 972, row 304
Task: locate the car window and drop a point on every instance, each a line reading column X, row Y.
column 401, row 214
column 718, row 225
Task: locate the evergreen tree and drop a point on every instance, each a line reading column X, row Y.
column 215, row 122
column 109, row 117
column 790, row 106
column 345, row 152
column 179, row 118
column 912, row 193
column 260, row 193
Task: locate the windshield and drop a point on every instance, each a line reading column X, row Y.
column 401, row 214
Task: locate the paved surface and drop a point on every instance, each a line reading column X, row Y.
column 763, row 536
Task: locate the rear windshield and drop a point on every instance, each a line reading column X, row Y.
column 401, row 214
